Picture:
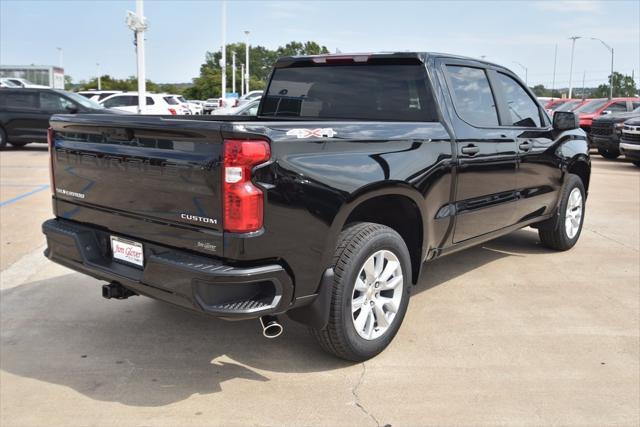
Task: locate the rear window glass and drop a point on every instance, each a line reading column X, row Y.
column 357, row 92
column 568, row 106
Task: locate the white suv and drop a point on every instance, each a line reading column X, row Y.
column 157, row 103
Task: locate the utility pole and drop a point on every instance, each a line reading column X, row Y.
column 233, row 70
column 99, row 77
column 573, row 45
column 59, row 49
column 241, row 79
column 584, row 74
column 246, row 62
column 555, row 61
column 223, row 61
column 138, row 23
column 526, row 73
column 610, row 49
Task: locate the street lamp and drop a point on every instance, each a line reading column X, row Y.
column 246, row 61
column 138, row 23
column 610, row 49
column 526, row 73
column 223, row 61
column 573, row 45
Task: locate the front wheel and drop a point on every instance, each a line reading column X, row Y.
column 563, row 232
column 3, row 139
column 370, row 295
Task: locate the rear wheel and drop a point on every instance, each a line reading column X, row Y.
column 370, row 295
column 608, row 154
column 637, row 163
column 564, row 231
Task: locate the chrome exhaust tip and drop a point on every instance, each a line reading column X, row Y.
column 271, row 328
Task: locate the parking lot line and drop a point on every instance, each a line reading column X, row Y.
column 23, row 195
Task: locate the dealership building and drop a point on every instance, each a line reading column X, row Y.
column 46, row 75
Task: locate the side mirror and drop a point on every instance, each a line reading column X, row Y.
column 605, row 112
column 72, row 109
column 565, row 120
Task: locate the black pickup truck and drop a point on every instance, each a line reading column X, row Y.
column 325, row 206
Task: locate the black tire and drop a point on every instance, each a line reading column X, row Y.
column 356, row 244
column 554, row 234
column 637, row 163
column 18, row 144
column 3, row 139
column 608, row 154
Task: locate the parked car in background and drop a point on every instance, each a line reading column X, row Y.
column 157, row 103
column 570, row 105
column 210, row 105
column 602, row 106
column 25, row 113
column 7, row 83
column 554, row 104
column 183, row 103
column 24, row 83
column 248, row 109
column 249, row 96
column 197, row 106
column 630, row 141
column 606, row 132
column 98, row 95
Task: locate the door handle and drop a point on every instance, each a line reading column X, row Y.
column 525, row 146
column 470, row 150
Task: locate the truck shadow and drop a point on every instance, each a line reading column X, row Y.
column 141, row 352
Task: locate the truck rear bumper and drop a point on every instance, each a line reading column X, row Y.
column 179, row 277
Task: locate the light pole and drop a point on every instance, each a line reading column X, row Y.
column 241, row 79
column 138, row 23
column 223, row 61
column 573, row 45
column 233, row 72
column 59, row 49
column 99, row 77
column 555, row 61
column 610, row 49
column 526, row 73
column 246, row 62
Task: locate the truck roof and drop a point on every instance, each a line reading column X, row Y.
column 286, row 61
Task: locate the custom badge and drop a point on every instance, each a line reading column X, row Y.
column 308, row 133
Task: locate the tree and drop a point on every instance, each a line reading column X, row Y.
column 623, row 85
column 208, row 84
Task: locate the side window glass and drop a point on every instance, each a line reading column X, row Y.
column 50, row 102
column 150, row 100
column 472, row 96
column 522, row 108
column 617, row 107
column 113, row 102
column 18, row 101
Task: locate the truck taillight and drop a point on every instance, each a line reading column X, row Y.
column 50, row 142
column 172, row 111
column 243, row 202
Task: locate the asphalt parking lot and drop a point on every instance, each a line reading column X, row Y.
column 508, row 333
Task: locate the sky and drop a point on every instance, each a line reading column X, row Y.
column 180, row 32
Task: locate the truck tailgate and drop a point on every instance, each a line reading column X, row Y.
column 143, row 167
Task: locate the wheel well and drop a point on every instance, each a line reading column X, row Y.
column 582, row 169
column 399, row 213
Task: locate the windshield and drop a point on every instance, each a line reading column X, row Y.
column 87, row 103
column 364, row 92
column 592, row 106
column 568, row 106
